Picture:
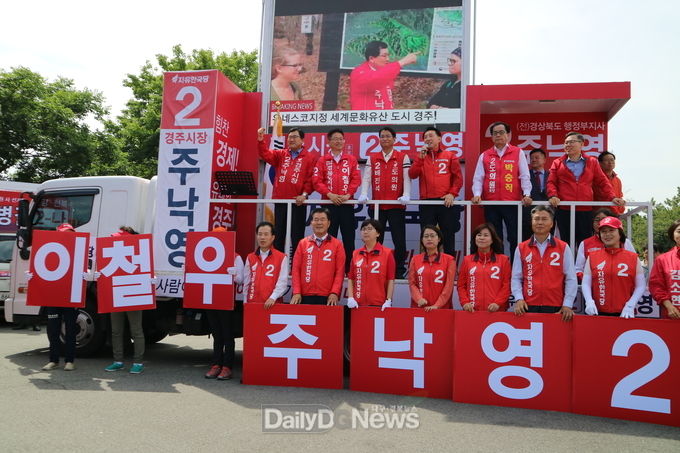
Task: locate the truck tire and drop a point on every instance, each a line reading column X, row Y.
column 91, row 335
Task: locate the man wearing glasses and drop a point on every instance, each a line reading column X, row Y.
column 386, row 173
column 577, row 177
column 502, row 174
column 371, row 83
column 294, row 170
column 337, row 178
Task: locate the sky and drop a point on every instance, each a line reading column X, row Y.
column 526, row 41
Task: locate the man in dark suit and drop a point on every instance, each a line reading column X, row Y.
column 539, row 178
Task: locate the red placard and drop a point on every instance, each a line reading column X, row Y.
column 58, row 260
column 494, row 349
column 126, row 267
column 405, row 351
column 8, row 210
column 627, row 368
column 206, row 281
column 293, row 345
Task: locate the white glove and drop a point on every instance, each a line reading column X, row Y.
column 404, row 199
column 29, row 275
column 232, row 270
column 91, row 276
column 628, row 312
column 352, row 303
column 591, row 309
column 387, row 304
column 362, row 199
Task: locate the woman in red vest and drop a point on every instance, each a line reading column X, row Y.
column 484, row 276
column 431, row 274
column 664, row 280
column 613, row 279
column 372, row 270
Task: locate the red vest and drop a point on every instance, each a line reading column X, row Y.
column 543, row 277
column 370, row 272
column 340, row 178
column 484, row 280
column 263, row 275
column 431, row 279
column 388, row 178
column 664, row 279
column 318, row 271
column 613, row 278
column 501, row 175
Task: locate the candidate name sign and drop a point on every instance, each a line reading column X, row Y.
column 207, row 283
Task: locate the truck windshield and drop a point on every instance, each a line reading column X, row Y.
column 55, row 209
column 6, row 243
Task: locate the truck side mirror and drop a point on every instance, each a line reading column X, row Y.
column 24, row 230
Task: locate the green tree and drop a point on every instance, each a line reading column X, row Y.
column 45, row 128
column 664, row 214
column 138, row 127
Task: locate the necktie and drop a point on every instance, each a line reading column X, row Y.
column 537, row 182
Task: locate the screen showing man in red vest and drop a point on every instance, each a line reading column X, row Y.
column 386, row 173
column 543, row 276
column 318, row 264
column 613, row 279
column 265, row 275
column 577, row 177
column 440, row 178
column 502, row 174
column 294, row 170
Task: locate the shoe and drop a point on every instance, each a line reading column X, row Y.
column 115, row 366
column 69, row 366
column 50, row 366
column 224, row 374
column 214, row 371
column 136, row 368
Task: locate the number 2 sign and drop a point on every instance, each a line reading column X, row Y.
column 624, row 368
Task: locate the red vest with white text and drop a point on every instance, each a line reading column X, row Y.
column 263, row 275
column 501, row 175
column 370, row 272
column 613, row 278
column 430, row 277
column 543, row 277
column 387, row 178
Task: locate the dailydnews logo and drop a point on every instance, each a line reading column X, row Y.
column 318, row 418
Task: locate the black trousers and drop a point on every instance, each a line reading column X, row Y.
column 542, row 309
column 448, row 220
column 395, row 220
column 315, row 300
column 297, row 225
column 499, row 215
column 223, row 337
column 55, row 316
column 583, row 224
column 342, row 218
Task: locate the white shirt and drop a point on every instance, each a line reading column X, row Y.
column 281, row 282
column 524, row 177
column 570, row 282
column 368, row 173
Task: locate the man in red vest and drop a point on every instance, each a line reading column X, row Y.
column 440, row 178
column 294, row 170
column 265, row 274
column 386, row 173
column 502, row 174
column 577, row 177
column 543, row 275
column 337, row 178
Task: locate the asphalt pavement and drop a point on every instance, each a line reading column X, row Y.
column 171, row 407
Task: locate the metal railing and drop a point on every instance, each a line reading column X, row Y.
column 638, row 207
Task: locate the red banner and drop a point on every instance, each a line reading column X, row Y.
column 206, row 281
column 126, row 267
column 58, row 260
column 625, row 368
column 293, row 345
column 8, row 211
column 404, row 351
column 507, row 360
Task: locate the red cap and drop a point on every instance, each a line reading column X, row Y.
column 611, row 222
column 65, row 227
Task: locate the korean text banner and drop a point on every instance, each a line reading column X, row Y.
column 396, row 56
column 58, row 260
column 126, row 267
column 293, row 345
column 8, row 211
column 207, row 283
column 185, row 158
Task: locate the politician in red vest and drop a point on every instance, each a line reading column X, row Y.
column 502, row 174
column 265, row 274
column 543, row 276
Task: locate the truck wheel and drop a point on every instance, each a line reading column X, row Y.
column 91, row 334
